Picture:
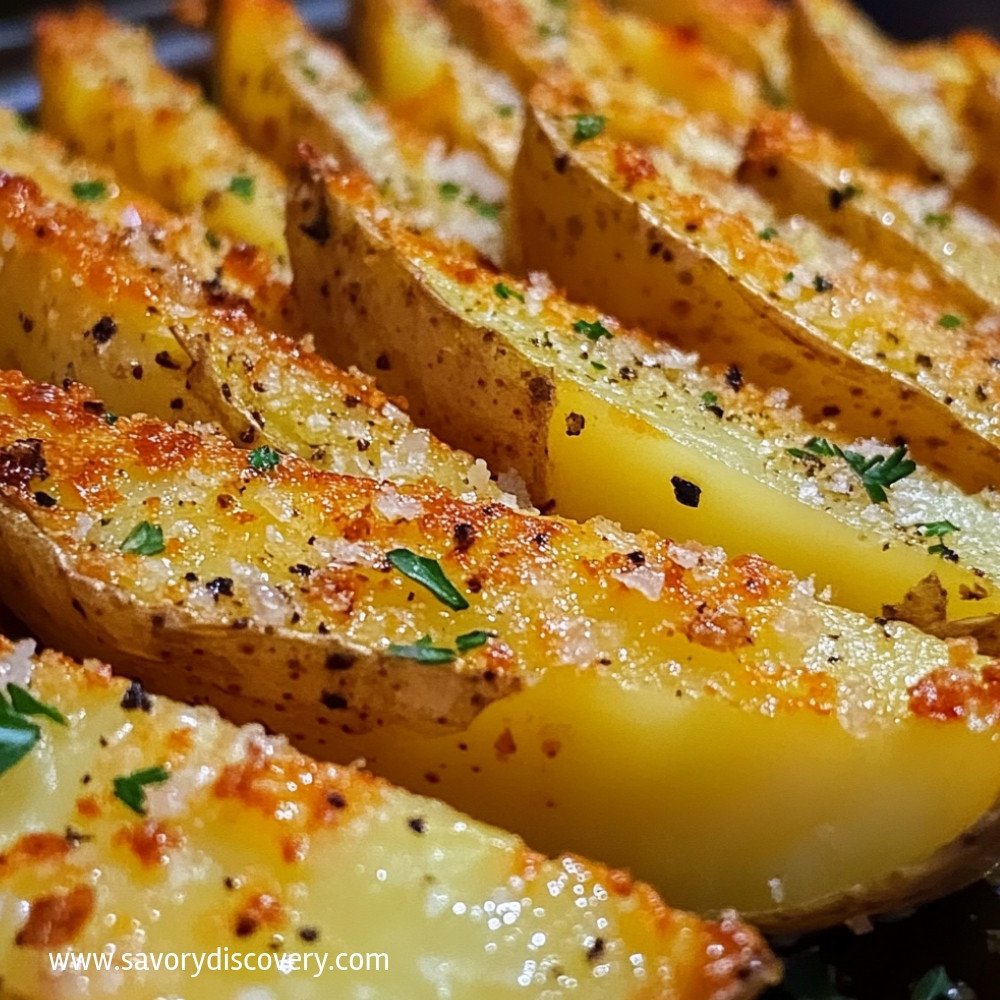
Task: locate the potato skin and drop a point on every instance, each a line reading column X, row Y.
column 655, row 258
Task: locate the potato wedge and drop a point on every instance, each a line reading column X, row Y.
column 418, row 70
column 690, row 254
column 847, row 76
column 62, row 177
column 888, row 217
column 749, row 32
column 981, row 56
column 104, row 93
column 109, row 309
column 308, row 879
column 598, row 419
column 563, row 686
column 280, row 84
column 528, row 39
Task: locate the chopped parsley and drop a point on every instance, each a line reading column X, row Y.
column 422, row 652
column 939, row 220
column 473, row 640
column 428, row 573
column 111, row 418
column 877, row 474
column 89, row 190
column 939, row 529
column 789, row 276
column 768, row 234
column 506, row 292
column 25, row 703
column 131, row 788
column 482, row 207
column 24, row 122
column 449, row 190
column 362, row 95
column 144, row 539
column 17, row 737
column 934, row 984
column 587, row 127
column 212, row 239
column 18, row 734
column 773, row 94
column 264, row 458
column 950, row 321
column 505, row 110
column 597, row 366
column 592, row 331
column 710, row 402
column 242, row 185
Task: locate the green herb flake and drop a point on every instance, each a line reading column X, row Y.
column 362, row 95
column 485, row 209
column 768, row 234
column 144, row 539
column 24, row 123
column 709, row 399
column 25, row 703
column 939, row 220
column 449, row 190
column 789, row 276
column 428, row 573
column 937, row 529
column 934, row 984
column 877, row 473
column 212, row 239
column 131, row 788
column 506, row 292
column 505, row 110
column 592, row 331
column 773, row 94
column 422, row 653
column 838, row 196
column 242, row 185
column 587, row 127
column 473, row 640
column 89, row 190
column 17, row 737
column 597, row 366
column 950, row 321
column 264, row 458
column 111, row 418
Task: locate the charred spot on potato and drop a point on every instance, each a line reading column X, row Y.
column 21, row 461
column 318, row 228
column 334, row 702
column 575, row 422
column 136, row 697
column 339, row 661
column 103, row 330
column 686, row 492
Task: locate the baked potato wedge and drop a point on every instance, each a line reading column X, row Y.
column 280, row 84
column 71, row 180
column 104, row 93
column 599, row 419
column 79, row 301
column 981, row 56
column 689, row 253
column 575, row 679
column 415, row 67
column 528, row 39
column 847, row 76
column 888, row 217
column 751, row 33
column 339, row 862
